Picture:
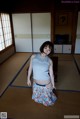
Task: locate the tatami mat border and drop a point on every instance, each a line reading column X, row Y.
column 15, row 76
column 56, row 89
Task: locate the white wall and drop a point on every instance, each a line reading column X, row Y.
column 77, row 45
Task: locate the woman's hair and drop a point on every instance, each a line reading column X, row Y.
column 47, row 43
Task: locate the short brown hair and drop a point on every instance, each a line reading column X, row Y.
column 46, row 43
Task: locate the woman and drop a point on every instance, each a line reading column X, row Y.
column 43, row 77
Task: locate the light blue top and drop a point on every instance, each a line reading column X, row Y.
column 40, row 67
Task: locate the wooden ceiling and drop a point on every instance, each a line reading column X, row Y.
column 34, row 5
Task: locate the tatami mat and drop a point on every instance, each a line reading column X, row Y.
column 68, row 76
column 10, row 68
column 77, row 58
column 18, row 104
column 63, row 57
column 17, row 101
column 21, row 79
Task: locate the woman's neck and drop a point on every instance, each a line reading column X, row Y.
column 43, row 55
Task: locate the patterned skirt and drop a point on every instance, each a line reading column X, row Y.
column 43, row 95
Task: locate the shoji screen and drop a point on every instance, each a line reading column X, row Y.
column 22, row 32
column 77, row 45
column 41, row 26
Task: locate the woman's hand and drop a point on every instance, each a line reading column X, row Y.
column 54, row 87
column 28, row 82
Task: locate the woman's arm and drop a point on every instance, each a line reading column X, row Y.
column 29, row 72
column 51, row 73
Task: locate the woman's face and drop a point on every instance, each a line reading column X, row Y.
column 47, row 50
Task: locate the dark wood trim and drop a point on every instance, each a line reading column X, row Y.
column 31, row 30
column 52, row 27
column 7, row 48
column 74, row 29
column 13, row 41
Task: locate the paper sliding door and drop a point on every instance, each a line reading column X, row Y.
column 22, row 32
column 41, row 28
column 77, row 44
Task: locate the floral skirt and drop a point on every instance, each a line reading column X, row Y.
column 43, row 95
